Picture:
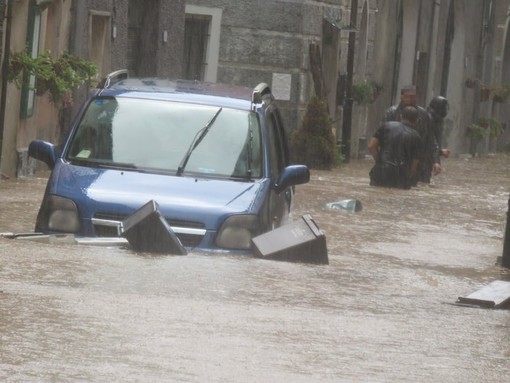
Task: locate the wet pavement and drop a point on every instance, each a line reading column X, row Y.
column 381, row 311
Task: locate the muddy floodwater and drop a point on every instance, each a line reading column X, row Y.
column 382, row 310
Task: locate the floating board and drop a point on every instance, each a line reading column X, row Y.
column 495, row 295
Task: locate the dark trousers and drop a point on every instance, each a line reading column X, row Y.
column 393, row 176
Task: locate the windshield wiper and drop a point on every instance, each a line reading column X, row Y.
column 196, row 140
column 104, row 164
column 116, row 165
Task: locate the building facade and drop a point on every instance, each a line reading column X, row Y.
column 459, row 49
column 300, row 48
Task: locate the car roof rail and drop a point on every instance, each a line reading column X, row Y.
column 261, row 92
column 113, row 78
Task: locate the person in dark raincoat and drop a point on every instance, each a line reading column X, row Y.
column 395, row 148
column 438, row 109
column 429, row 162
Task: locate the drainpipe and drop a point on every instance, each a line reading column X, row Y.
column 506, row 243
column 5, row 71
column 347, row 117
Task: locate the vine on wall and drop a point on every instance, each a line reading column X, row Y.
column 58, row 76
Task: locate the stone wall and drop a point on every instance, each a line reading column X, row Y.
column 262, row 39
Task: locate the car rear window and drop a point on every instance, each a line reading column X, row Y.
column 156, row 135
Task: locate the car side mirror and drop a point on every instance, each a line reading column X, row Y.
column 43, row 151
column 292, row 175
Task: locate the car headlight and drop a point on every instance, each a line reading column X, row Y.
column 237, row 232
column 59, row 214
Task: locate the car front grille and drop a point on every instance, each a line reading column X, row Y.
column 190, row 233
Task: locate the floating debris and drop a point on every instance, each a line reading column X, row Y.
column 352, row 205
column 299, row 241
column 495, row 295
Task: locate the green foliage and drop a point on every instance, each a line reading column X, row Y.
column 501, row 94
column 495, row 128
column 57, row 75
column 365, row 92
column 314, row 144
column 485, row 127
column 476, row 131
column 339, row 156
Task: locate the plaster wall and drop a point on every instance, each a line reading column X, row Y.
column 384, row 53
column 501, row 111
column 55, row 22
column 476, row 53
column 8, row 159
column 408, row 51
column 454, row 135
column 438, row 14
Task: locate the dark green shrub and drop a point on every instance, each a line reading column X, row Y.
column 365, row 92
column 314, row 144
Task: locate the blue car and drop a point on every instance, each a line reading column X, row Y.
column 214, row 157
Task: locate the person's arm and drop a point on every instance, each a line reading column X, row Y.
column 445, row 152
column 415, row 158
column 436, row 168
column 437, row 150
column 373, row 147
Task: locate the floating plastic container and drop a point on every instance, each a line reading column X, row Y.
column 351, row 205
column 299, row 241
column 146, row 230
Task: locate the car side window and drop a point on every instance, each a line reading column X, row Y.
column 276, row 144
column 283, row 138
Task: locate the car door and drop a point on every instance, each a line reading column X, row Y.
column 279, row 159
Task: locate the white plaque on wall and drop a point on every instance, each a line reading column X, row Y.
column 281, row 86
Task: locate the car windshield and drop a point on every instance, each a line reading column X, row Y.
column 156, row 135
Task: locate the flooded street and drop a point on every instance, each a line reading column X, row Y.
column 381, row 311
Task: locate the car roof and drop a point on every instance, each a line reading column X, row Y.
column 232, row 96
column 119, row 83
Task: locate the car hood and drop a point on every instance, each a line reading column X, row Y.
column 181, row 197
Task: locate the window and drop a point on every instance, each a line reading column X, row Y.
column 157, row 135
column 196, row 38
column 33, row 35
column 202, row 43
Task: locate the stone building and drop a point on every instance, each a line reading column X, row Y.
column 438, row 46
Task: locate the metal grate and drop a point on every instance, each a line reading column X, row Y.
column 104, row 227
